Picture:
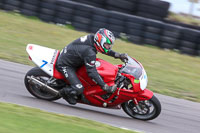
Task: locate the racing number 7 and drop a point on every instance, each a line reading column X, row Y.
column 45, row 62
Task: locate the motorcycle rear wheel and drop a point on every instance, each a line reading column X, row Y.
column 35, row 89
column 150, row 109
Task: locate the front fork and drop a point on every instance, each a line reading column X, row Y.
column 135, row 101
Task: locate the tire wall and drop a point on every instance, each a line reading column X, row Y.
column 140, row 20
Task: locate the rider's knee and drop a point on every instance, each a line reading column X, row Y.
column 79, row 88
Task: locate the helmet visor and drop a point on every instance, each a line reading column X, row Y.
column 107, row 46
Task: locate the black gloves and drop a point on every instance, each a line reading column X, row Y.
column 109, row 89
column 123, row 57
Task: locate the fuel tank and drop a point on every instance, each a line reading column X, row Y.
column 106, row 70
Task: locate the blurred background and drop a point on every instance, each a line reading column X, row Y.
column 165, row 24
column 190, row 7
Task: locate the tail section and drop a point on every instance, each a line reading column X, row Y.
column 43, row 57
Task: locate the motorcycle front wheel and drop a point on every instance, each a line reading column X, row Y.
column 148, row 109
column 37, row 90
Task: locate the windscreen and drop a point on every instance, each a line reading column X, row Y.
column 133, row 68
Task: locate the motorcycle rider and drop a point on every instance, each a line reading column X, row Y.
column 83, row 52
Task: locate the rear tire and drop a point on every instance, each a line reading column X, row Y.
column 34, row 89
column 147, row 113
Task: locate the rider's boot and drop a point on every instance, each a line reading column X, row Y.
column 69, row 95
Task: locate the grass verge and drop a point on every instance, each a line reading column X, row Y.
column 183, row 18
column 19, row 119
column 169, row 73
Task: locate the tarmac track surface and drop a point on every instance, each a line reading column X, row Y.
column 177, row 116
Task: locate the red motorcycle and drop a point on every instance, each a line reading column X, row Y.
column 44, row 82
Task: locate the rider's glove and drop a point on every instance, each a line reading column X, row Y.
column 123, row 57
column 109, row 89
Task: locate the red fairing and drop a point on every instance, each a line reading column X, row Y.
column 107, row 71
column 92, row 91
column 144, row 95
column 57, row 74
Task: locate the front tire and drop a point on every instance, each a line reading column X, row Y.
column 150, row 109
column 35, row 89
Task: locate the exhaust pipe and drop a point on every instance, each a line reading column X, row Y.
column 51, row 90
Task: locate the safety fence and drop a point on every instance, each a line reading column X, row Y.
column 84, row 17
column 154, row 9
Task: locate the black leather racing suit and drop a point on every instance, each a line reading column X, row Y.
column 80, row 52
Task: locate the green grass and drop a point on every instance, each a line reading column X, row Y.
column 19, row 119
column 169, row 73
column 187, row 19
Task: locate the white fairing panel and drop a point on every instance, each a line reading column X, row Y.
column 43, row 57
column 143, row 80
